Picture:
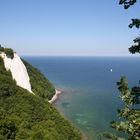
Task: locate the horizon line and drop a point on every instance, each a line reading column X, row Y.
column 131, row 55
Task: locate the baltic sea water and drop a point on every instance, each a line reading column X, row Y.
column 91, row 98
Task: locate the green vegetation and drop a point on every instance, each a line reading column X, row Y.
column 8, row 51
column 41, row 86
column 1, row 48
column 24, row 116
column 129, row 115
column 135, row 23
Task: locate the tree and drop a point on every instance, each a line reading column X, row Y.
column 9, row 52
column 130, row 113
column 127, row 3
column 1, row 48
column 135, row 23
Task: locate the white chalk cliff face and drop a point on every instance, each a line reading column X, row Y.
column 18, row 70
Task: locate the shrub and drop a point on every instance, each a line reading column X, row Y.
column 9, row 52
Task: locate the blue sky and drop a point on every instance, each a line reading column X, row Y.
column 67, row 27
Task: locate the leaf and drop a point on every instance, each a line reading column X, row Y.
column 121, row 1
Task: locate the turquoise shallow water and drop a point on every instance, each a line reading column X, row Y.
column 90, row 97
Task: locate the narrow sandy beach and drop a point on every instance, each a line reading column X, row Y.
column 55, row 97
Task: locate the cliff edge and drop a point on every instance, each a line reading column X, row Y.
column 18, row 70
column 24, row 116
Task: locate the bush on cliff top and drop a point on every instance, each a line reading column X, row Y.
column 8, row 51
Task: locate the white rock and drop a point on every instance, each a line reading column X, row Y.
column 18, row 71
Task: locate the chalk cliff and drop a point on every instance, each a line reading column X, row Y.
column 18, row 70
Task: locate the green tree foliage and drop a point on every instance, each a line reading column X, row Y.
column 127, row 3
column 8, row 51
column 1, row 48
column 24, row 116
column 129, row 115
column 39, row 83
column 135, row 23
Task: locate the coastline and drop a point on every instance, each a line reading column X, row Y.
column 54, row 99
column 56, row 95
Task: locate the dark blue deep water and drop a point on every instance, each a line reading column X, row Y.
column 90, row 97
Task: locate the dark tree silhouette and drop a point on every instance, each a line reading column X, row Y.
column 135, row 23
column 127, row 3
column 129, row 115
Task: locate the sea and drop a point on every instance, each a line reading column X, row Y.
column 90, row 97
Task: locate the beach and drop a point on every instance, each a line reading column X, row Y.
column 56, row 95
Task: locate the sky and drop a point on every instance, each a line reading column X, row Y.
column 67, row 27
